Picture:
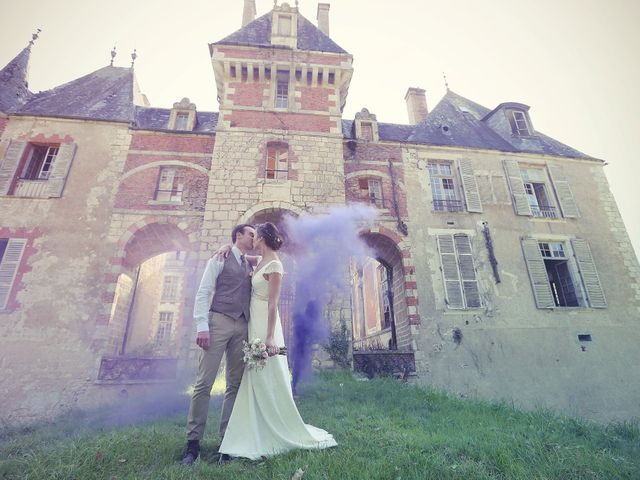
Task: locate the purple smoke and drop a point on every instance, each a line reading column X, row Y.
column 324, row 245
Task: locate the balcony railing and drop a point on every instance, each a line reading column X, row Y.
column 543, row 211
column 448, row 205
column 31, row 188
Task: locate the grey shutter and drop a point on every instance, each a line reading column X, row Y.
column 469, row 186
column 467, row 271
column 538, row 274
column 60, row 169
column 10, row 163
column 588, row 272
column 453, row 290
column 9, row 267
column 516, row 185
column 563, row 191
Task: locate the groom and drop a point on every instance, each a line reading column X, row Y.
column 221, row 312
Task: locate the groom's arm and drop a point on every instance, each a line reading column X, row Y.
column 203, row 301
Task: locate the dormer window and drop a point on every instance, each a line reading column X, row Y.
column 183, row 116
column 519, row 123
column 182, row 121
column 284, row 25
column 366, row 126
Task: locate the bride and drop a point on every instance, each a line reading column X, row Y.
column 265, row 420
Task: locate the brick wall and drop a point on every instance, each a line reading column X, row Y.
column 280, row 121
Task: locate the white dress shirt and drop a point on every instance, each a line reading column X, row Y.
column 208, row 288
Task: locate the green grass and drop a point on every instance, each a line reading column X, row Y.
column 385, row 430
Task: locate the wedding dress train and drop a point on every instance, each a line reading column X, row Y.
column 265, row 420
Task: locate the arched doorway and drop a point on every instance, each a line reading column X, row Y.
column 153, row 295
column 380, row 322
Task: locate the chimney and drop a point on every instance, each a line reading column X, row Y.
column 416, row 105
column 249, row 12
column 323, row 18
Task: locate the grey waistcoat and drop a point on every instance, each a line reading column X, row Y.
column 233, row 289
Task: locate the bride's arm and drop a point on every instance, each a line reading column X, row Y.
column 275, row 283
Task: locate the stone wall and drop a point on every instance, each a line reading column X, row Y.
column 508, row 348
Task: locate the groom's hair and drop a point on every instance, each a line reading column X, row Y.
column 239, row 229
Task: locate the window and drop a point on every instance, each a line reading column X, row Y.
column 562, row 273
column 11, row 250
column 182, row 121
column 560, row 279
column 170, row 185
column 366, row 131
column 385, row 275
column 519, row 123
column 277, row 161
column 40, row 162
column 443, row 188
column 169, row 289
column 536, row 192
column 282, row 89
column 458, row 271
column 371, row 191
column 284, row 25
column 533, row 187
column 165, row 325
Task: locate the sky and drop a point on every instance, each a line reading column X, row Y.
column 574, row 62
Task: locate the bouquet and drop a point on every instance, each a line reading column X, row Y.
column 255, row 354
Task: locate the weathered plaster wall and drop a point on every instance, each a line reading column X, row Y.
column 509, row 349
column 60, row 290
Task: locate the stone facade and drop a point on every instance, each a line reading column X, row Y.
column 476, row 307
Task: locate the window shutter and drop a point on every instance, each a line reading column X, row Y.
column 588, row 272
column 10, row 164
column 469, row 186
column 467, row 271
column 563, row 191
column 537, row 273
column 450, row 275
column 9, row 268
column 520, row 202
column 60, row 169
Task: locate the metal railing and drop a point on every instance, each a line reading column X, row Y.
column 448, row 205
column 544, row 211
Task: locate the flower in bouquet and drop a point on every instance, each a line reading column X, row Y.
column 256, row 354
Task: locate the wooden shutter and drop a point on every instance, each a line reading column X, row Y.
column 9, row 267
column 452, row 286
column 10, row 163
column 518, row 195
column 563, row 191
column 588, row 272
column 467, row 271
column 469, row 186
column 60, row 169
column 537, row 273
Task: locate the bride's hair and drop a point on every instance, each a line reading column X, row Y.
column 271, row 235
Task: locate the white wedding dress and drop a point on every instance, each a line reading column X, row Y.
column 265, row 420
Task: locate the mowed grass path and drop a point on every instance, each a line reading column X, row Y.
column 385, row 430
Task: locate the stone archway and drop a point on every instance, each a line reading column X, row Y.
column 381, row 319
column 154, row 283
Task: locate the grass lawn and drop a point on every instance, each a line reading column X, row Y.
column 385, row 430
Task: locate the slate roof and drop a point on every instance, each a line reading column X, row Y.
column 258, row 33
column 14, row 88
column 106, row 94
column 458, row 122
column 158, row 118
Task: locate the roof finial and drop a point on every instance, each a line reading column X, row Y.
column 446, row 84
column 133, row 57
column 296, row 3
column 34, row 37
column 113, row 54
